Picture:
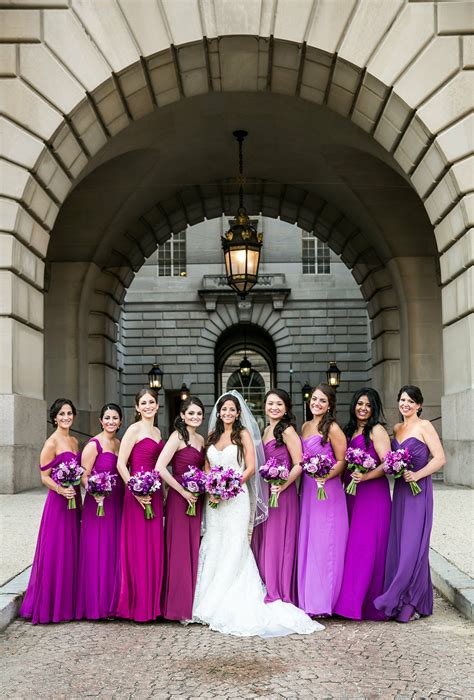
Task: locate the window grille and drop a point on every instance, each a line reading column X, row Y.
column 315, row 255
column 172, row 256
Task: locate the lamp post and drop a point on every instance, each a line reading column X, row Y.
column 333, row 374
column 184, row 392
column 306, row 393
column 155, row 377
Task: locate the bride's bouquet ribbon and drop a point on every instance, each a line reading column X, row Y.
column 360, row 460
column 100, row 486
column 274, row 474
column 396, row 462
column 67, row 474
column 194, row 481
column 223, row 484
column 145, row 484
column 317, row 467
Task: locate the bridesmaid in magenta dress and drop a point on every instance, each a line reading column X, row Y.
column 408, row 593
column 142, row 542
column 324, row 525
column 274, row 542
column 51, row 592
column 369, row 513
column 100, row 536
column 184, row 449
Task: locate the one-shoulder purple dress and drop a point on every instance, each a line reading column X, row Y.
column 274, row 542
column 369, row 524
column 141, row 544
column 322, row 540
column 51, row 592
column 99, row 547
column 407, row 586
column 182, row 538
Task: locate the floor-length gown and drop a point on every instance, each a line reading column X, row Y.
column 407, row 586
column 51, row 592
column 229, row 593
column 322, row 541
column 182, row 537
column 142, row 544
column 369, row 524
column 99, row 547
column 274, row 542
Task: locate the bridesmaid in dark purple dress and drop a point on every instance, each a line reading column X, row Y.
column 408, row 593
column 142, row 542
column 275, row 541
column 100, row 536
column 184, row 449
column 51, row 592
column 369, row 513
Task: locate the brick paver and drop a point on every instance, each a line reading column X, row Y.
column 431, row 658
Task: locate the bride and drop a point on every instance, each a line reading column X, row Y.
column 229, row 593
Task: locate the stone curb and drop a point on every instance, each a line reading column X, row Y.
column 11, row 597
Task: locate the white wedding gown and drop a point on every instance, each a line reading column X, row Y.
column 229, row 593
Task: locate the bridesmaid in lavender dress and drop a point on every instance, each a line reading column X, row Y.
column 408, row 593
column 51, row 592
column 184, row 449
column 369, row 513
column 274, row 542
column 142, row 543
column 324, row 525
column 100, row 536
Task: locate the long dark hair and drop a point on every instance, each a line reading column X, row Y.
column 179, row 423
column 57, row 405
column 414, row 392
column 138, row 396
column 376, row 416
column 110, row 407
column 330, row 416
column 287, row 420
column 237, row 428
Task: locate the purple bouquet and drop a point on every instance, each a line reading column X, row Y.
column 360, row 460
column 100, row 485
column 194, row 481
column 318, row 467
column 223, row 484
column 145, row 484
column 274, row 473
column 68, row 474
column 398, row 461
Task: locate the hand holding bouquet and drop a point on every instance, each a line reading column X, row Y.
column 223, row 484
column 274, row 474
column 360, row 460
column 68, row 474
column 194, row 481
column 145, row 484
column 397, row 462
column 318, row 467
column 100, row 486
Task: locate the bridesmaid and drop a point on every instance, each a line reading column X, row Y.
column 184, row 449
column 51, row 592
column 142, row 545
column 274, row 542
column 100, row 537
column 369, row 513
column 324, row 525
column 407, row 589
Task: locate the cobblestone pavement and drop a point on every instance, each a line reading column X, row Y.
column 430, row 658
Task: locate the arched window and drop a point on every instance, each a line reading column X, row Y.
column 253, row 388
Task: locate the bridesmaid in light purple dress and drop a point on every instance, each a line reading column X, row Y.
column 274, row 542
column 142, row 542
column 369, row 513
column 324, row 524
column 100, row 536
column 184, row 449
column 51, row 592
column 408, row 593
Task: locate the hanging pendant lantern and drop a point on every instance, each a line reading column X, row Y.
column 333, row 374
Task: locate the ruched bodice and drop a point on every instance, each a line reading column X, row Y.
column 144, row 454
column 418, row 450
column 105, row 461
column 359, row 442
column 313, row 445
column 280, row 452
column 189, row 456
column 61, row 457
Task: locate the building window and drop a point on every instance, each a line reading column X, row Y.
column 316, row 255
column 172, row 256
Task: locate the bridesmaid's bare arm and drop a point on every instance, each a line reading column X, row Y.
column 88, row 457
column 381, row 442
column 339, row 444
column 435, row 447
column 172, row 446
column 293, row 444
column 249, row 455
column 48, row 453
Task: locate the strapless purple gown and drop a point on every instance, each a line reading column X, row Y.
column 182, row 538
column 99, row 548
column 322, row 540
column 369, row 524
column 407, row 586
column 51, row 592
column 142, row 544
column 274, row 542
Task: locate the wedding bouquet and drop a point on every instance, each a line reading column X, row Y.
column 223, row 484
column 68, row 474
column 317, row 467
column 145, row 484
column 194, row 481
column 359, row 459
column 398, row 461
column 274, row 473
column 100, row 485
